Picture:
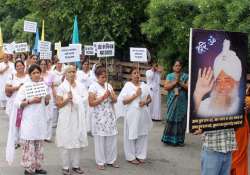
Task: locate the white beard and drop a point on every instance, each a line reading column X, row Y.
column 209, row 109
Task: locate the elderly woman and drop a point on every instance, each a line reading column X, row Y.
column 133, row 102
column 101, row 98
column 33, row 125
column 71, row 132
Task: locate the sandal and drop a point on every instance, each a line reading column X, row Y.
column 66, row 172
column 78, row 170
column 142, row 161
column 100, row 167
column 114, row 165
column 135, row 162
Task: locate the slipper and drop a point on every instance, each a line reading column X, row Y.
column 114, row 165
column 100, row 167
column 135, row 162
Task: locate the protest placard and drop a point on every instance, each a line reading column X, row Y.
column 78, row 47
column 216, row 73
column 21, row 47
column 37, row 89
column 89, row 50
column 57, row 45
column 138, row 54
column 30, row 26
column 44, row 46
column 95, row 47
column 46, row 55
column 105, row 49
column 9, row 48
column 69, row 54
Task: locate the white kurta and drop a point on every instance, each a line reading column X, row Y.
column 57, row 82
column 3, row 79
column 49, row 80
column 137, row 119
column 154, row 81
column 103, row 116
column 14, row 81
column 71, row 129
column 85, row 78
column 34, row 120
column 137, row 122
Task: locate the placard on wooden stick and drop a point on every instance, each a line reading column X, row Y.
column 44, row 46
column 68, row 54
column 30, row 26
column 138, row 54
column 21, row 47
column 46, row 55
column 89, row 50
column 105, row 49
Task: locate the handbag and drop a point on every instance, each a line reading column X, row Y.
column 19, row 117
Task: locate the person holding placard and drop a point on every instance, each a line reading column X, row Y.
column 133, row 104
column 103, row 119
column 11, row 88
column 71, row 132
column 6, row 70
column 34, row 123
column 48, row 78
column 153, row 76
column 176, row 84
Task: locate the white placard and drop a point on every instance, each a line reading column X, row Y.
column 35, row 90
column 78, row 46
column 30, row 26
column 106, row 49
column 9, row 48
column 57, row 46
column 138, row 54
column 95, row 47
column 21, row 47
column 46, row 55
column 69, row 54
column 44, row 46
column 89, row 50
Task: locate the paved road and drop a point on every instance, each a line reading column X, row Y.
column 162, row 160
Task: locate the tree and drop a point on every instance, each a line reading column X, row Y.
column 168, row 28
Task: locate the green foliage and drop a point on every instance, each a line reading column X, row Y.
column 168, row 28
column 160, row 25
column 169, row 23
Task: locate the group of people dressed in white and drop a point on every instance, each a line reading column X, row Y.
column 77, row 102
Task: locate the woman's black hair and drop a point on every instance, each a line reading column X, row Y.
column 19, row 61
column 41, row 60
column 33, row 67
column 177, row 60
column 132, row 69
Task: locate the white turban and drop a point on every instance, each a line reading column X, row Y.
column 228, row 61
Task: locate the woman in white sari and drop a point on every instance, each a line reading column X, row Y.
column 71, row 132
column 11, row 88
column 133, row 104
